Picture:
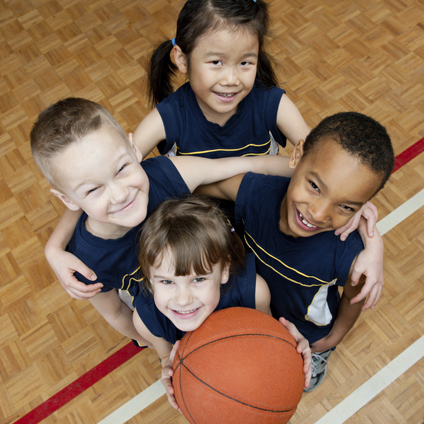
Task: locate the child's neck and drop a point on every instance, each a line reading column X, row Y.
column 216, row 117
column 105, row 231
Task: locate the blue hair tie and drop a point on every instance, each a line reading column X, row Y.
column 173, row 42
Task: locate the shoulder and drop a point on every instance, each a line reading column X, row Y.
column 259, row 185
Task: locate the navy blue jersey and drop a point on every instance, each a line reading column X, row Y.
column 239, row 291
column 115, row 261
column 251, row 131
column 303, row 273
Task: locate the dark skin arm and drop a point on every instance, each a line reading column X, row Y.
column 347, row 315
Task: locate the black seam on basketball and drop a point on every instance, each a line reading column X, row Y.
column 182, row 395
column 229, row 397
column 232, row 337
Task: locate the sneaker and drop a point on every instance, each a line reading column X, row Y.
column 319, row 369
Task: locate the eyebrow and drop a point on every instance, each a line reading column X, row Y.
column 250, row 54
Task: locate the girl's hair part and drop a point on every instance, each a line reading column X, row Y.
column 199, row 17
column 197, row 235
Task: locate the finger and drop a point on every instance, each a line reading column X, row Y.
column 80, row 267
column 174, row 350
column 354, row 278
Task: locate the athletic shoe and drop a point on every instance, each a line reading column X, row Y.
column 319, row 369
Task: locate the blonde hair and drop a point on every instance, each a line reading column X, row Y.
column 63, row 123
column 195, row 232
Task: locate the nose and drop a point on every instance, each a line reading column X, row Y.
column 319, row 212
column 119, row 193
column 230, row 76
column 183, row 296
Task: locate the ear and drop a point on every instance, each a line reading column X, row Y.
column 297, row 154
column 134, row 148
column 66, row 201
column 225, row 273
column 180, row 59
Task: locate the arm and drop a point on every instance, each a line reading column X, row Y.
column 64, row 264
column 197, row 171
column 262, row 295
column 166, row 354
column 149, row 132
column 347, row 314
column 117, row 314
column 290, row 122
column 226, row 189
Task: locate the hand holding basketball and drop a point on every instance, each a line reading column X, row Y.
column 167, row 373
column 302, row 347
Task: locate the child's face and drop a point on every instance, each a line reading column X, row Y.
column 102, row 175
column 222, row 72
column 186, row 300
column 327, row 188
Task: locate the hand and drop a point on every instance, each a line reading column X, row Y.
column 370, row 264
column 64, row 264
column 369, row 212
column 302, row 348
column 167, row 374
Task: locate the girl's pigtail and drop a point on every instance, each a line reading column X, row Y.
column 161, row 70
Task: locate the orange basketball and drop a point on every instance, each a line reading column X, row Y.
column 239, row 366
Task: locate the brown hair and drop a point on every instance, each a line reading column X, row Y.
column 64, row 123
column 197, row 234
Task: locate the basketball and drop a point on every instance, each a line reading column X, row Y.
column 239, row 366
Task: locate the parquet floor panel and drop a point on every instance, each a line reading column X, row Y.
column 331, row 55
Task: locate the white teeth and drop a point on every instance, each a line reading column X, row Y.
column 186, row 312
column 306, row 222
column 226, row 94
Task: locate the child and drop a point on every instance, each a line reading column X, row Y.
column 193, row 263
column 231, row 104
column 88, row 159
column 289, row 226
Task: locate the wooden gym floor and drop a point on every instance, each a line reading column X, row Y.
column 333, row 55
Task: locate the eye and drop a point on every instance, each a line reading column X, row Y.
column 199, row 279
column 91, row 191
column 166, row 282
column 122, row 167
column 216, row 62
column 245, row 63
column 347, row 208
column 314, row 186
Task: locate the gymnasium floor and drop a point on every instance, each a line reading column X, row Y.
column 59, row 361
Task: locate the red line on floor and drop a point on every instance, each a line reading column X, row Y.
column 127, row 352
column 79, row 385
column 409, row 154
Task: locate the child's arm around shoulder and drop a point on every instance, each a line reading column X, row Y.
column 65, row 264
column 149, row 133
column 197, row 171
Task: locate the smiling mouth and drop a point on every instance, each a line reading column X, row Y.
column 186, row 312
column 308, row 224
